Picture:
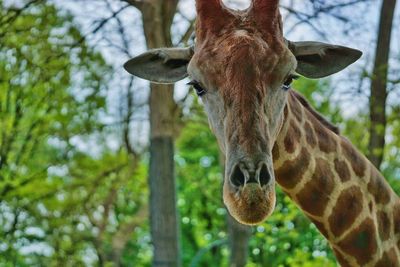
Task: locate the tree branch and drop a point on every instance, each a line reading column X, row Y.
column 135, row 3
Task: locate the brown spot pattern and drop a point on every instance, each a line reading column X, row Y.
column 342, row 170
column 275, row 152
column 326, row 142
column 339, row 256
column 379, row 188
column 310, row 136
column 296, row 109
column 370, row 206
column 296, row 96
column 285, row 112
column 292, row 137
column 389, row 259
column 361, row 242
column 383, row 225
column 348, row 207
column 315, row 195
column 357, row 162
column 292, row 171
column 321, row 228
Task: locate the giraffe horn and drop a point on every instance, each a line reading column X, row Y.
column 265, row 9
column 266, row 5
column 207, row 8
column 266, row 13
column 212, row 16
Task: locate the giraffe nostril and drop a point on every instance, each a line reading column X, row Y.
column 237, row 178
column 265, row 176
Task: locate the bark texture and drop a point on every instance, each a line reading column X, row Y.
column 379, row 92
column 157, row 20
column 239, row 236
column 163, row 213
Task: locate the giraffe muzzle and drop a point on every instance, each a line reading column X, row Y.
column 249, row 188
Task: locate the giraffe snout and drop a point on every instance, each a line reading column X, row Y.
column 249, row 192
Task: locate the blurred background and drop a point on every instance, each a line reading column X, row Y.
column 84, row 180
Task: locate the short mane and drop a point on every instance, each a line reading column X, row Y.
column 318, row 116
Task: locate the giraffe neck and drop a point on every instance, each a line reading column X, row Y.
column 337, row 188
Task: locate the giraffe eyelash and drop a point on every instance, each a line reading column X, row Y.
column 200, row 91
column 289, row 80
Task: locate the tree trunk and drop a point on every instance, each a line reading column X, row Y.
column 157, row 20
column 377, row 106
column 239, row 236
column 163, row 213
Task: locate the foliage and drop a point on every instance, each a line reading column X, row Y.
column 69, row 198
column 43, row 116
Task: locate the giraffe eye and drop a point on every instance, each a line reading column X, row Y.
column 200, row 91
column 288, row 81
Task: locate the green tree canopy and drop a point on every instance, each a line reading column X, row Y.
column 52, row 94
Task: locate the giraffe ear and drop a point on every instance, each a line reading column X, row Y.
column 317, row 60
column 164, row 65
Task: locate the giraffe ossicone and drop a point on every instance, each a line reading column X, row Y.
column 242, row 65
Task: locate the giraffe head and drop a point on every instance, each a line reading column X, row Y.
column 242, row 67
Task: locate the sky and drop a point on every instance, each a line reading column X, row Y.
column 346, row 83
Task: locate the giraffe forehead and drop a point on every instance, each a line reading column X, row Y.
column 244, row 41
column 241, row 57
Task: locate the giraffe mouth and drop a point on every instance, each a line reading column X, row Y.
column 251, row 203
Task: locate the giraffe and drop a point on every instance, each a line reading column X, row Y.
column 242, row 67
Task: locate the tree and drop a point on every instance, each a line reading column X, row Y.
column 379, row 92
column 157, row 19
column 43, row 111
column 239, row 236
